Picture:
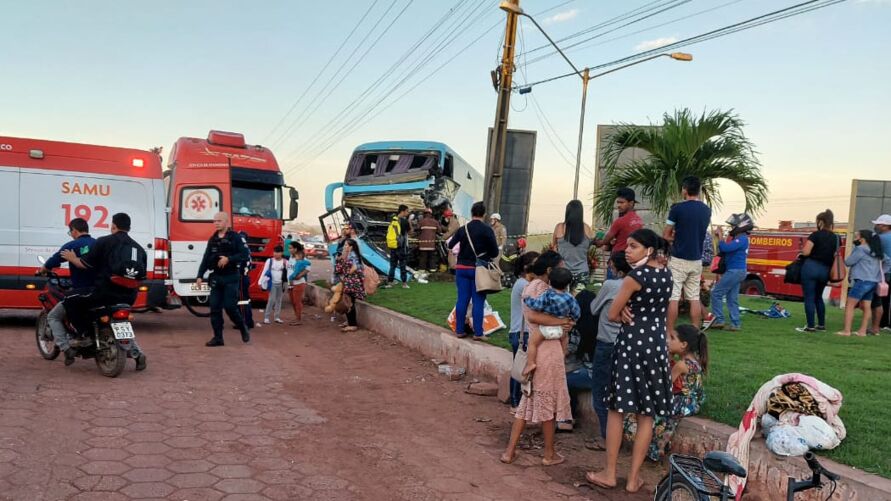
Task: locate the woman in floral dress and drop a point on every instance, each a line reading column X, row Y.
column 351, row 271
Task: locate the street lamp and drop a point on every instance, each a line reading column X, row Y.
column 586, row 77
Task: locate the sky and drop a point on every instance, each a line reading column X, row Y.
column 812, row 89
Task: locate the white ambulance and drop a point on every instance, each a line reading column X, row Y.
column 45, row 184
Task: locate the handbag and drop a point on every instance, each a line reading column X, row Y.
column 519, row 363
column 838, row 271
column 719, row 265
column 488, row 275
column 882, row 288
column 793, row 271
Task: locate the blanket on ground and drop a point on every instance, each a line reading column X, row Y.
column 828, row 399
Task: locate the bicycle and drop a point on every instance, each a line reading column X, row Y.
column 691, row 478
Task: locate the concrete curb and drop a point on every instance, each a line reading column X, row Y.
column 768, row 473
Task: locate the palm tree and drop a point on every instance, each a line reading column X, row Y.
column 711, row 147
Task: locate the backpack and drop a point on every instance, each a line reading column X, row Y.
column 128, row 262
column 370, row 280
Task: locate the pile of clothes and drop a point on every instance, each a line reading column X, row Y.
column 797, row 413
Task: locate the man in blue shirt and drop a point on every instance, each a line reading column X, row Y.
column 685, row 228
column 81, row 279
column 881, row 306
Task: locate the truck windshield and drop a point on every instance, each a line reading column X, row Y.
column 257, row 200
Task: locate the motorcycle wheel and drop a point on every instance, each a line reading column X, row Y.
column 110, row 358
column 198, row 305
column 46, row 345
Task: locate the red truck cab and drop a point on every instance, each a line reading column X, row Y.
column 223, row 174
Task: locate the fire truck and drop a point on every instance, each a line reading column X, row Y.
column 222, row 173
column 770, row 251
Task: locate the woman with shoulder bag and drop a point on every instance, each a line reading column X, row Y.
column 477, row 245
column 865, row 262
column 351, row 271
column 819, row 253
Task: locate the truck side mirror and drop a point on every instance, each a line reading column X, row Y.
column 293, row 206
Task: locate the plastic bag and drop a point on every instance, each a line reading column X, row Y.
column 786, row 440
column 817, row 433
column 491, row 319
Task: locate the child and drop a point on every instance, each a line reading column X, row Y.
column 688, row 348
column 299, row 268
column 607, row 332
column 519, row 334
column 274, row 277
column 556, row 302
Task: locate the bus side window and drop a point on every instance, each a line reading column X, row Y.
column 369, row 166
column 449, row 169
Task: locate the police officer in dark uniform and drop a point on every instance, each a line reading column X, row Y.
column 225, row 254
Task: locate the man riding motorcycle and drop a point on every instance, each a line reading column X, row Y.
column 81, row 281
column 110, row 286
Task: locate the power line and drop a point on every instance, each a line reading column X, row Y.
column 770, row 17
column 389, row 72
column 300, row 120
column 442, row 45
column 369, row 117
column 645, row 12
column 319, row 74
column 653, row 27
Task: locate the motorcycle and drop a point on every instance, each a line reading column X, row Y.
column 108, row 339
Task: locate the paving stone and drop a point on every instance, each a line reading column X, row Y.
column 103, row 454
column 288, row 492
column 190, row 466
column 232, row 471
column 147, row 475
column 197, row 494
column 239, row 486
column 193, row 480
column 104, row 467
column 147, row 490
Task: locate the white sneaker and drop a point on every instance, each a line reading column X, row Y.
column 266, row 321
column 278, row 321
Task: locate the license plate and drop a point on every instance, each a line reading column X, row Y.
column 200, row 288
column 122, row 330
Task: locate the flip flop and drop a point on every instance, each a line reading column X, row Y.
column 553, row 462
column 591, row 480
column 512, row 458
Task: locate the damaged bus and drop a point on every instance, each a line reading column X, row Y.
column 382, row 175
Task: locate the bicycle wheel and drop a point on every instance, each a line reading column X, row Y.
column 681, row 490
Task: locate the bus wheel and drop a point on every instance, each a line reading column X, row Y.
column 198, row 305
column 752, row 287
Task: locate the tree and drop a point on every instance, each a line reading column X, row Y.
column 711, row 147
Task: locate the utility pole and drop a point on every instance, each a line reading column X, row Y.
column 578, row 154
column 498, row 142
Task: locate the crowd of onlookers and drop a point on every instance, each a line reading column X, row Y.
column 622, row 343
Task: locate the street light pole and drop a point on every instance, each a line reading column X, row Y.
column 585, row 76
column 498, row 141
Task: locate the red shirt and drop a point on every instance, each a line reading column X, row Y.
column 623, row 227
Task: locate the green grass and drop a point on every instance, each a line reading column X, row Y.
column 741, row 362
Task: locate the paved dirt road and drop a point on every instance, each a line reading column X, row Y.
column 301, row 413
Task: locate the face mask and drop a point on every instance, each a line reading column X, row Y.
column 641, row 262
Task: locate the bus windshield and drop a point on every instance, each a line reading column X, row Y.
column 257, row 200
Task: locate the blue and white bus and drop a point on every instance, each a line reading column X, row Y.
column 381, row 176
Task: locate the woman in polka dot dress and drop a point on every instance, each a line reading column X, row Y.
column 640, row 382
